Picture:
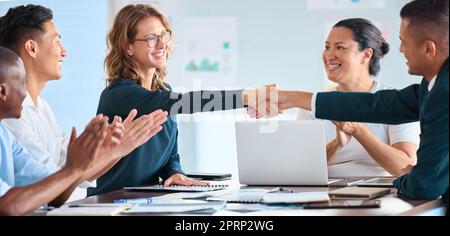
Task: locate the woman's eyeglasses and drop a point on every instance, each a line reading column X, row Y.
column 154, row 39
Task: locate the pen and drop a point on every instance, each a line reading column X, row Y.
column 94, row 205
column 274, row 190
column 355, row 182
column 134, row 201
column 47, row 207
column 286, row 190
column 280, row 189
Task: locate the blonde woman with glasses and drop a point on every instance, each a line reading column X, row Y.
column 139, row 45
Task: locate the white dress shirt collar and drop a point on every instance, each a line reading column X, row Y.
column 28, row 102
column 432, row 82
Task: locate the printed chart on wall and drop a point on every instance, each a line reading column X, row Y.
column 213, row 62
column 313, row 5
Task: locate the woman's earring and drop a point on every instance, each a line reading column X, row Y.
column 130, row 53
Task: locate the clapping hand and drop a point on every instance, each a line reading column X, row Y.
column 342, row 137
column 139, row 131
column 83, row 151
column 350, row 128
column 346, row 130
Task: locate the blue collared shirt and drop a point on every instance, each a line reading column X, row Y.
column 17, row 167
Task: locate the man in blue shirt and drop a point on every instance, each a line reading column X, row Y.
column 424, row 35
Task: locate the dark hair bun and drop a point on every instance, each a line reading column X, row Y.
column 385, row 47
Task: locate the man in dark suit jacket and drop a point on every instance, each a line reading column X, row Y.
column 425, row 43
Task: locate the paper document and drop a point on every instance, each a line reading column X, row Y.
column 276, row 198
column 256, row 207
column 89, row 210
column 241, row 196
column 272, row 198
column 177, row 206
column 185, row 195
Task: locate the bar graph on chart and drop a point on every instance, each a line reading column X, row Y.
column 204, row 66
column 212, row 61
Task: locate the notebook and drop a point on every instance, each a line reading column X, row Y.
column 178, row 188
column 106, row 209
column 176, row 206
column 359, row 193
column 272, row 198
column 241, row 196
column 209, row 176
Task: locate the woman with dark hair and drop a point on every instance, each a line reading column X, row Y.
column 352, row 55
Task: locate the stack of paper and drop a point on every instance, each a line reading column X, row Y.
column 177, row 206
column 271, row 198
column 276, row 198
column 191, row 195
column 244, row 208
column 102, row 209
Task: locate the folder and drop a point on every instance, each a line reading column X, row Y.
column 359, row 193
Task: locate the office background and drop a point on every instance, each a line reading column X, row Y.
column 218, row 44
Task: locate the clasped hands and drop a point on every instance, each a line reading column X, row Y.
column 265, row 102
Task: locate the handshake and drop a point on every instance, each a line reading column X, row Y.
column 265, row 102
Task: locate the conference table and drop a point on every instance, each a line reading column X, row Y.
column 393, row 204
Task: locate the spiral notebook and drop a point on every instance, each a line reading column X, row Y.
column 178, row 188
column 269, row 197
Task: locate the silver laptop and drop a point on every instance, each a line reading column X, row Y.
column 282, row 153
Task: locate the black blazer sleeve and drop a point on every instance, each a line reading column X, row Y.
column 130, row 95
column 386, row 107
